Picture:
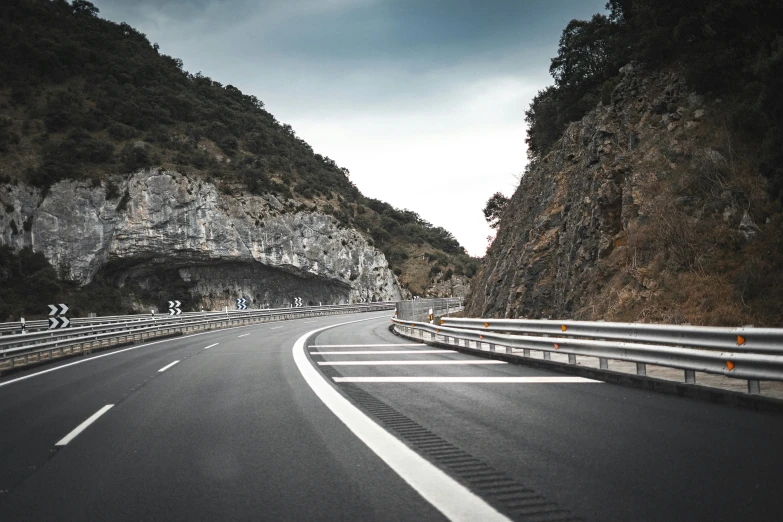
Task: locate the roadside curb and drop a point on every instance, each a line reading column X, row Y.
column 653, row 384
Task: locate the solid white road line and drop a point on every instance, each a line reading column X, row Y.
column 81, row 427
column 407, row 363
column 243, row 335
column 210, row 346
column 361, row 345
column 167, row 366
column 451, row 498
column 478, row 380
column 383, row 352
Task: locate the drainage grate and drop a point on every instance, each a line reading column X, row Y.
column 505, row 493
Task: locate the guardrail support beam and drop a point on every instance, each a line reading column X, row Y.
column 526, row 352
column 603, row 363
column 547, row 356
column 571, row 358
column 641, row 369
column 491, row 347
column 754, row 387
column 690, row 376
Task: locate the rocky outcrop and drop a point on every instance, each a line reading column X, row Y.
column 642, row 211
column 220, row 246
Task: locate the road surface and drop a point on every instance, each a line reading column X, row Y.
column 266, row 422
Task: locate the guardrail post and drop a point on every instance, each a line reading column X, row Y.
column 526, row 352
column 547, row 356
column 754, row 387
column 571, row 358
column 491, row 347
column 508, row 349
column 690, row 376
column 603, row 363
column 641, row 369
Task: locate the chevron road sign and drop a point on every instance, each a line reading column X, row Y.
column 59, row 322
column 58, row 309
column 297, row 302
column 174, row 308
column 241, row 303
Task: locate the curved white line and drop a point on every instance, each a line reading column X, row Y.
column 451, row 498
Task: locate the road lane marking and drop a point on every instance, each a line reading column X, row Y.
column 243, row 335
column 276, row 327
column 383, row 352
column 167, row 367
column 123, row 350
column 406, row 363
column 210, row 346
column 361, row 345
column 477, row 380
column 81, row 427
column 448, row 496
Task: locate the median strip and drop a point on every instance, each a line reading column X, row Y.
column 81, row 427
column 167, row 367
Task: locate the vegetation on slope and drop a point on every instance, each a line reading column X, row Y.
column 692, row 259
column 730, row 49
column 87, row 99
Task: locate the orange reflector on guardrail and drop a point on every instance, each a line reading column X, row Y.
column 481, row 336
column 557, row 346
column 729, row 365
column 486, row 325
column 437, row 331
column 563, row 327
column 740, row 340
column 442, row 322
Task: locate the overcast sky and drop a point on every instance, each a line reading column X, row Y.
column 422, row 100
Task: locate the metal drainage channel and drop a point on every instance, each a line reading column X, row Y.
column 505, row 493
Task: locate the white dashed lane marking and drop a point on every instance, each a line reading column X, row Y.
column 167, row 367
column 81, row 427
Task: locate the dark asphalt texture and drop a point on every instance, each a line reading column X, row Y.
column 235, row 433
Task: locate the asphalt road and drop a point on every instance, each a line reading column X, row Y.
column 238, row 431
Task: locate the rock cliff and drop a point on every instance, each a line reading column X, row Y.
column 644, row 210
column 160, row 225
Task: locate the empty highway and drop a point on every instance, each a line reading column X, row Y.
column 336, row 418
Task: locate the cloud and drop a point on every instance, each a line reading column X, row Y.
column 423, row 100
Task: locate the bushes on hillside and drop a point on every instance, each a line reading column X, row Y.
column 731, row 49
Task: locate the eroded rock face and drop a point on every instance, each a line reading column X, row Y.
column 223, row 246
column 635, row 202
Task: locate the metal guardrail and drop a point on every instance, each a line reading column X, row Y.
column 13, row 328
column 60, row 343
column 419, row 309
column 753, row 354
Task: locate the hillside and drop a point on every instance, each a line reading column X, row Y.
column 86, row 105
column 654, row 189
